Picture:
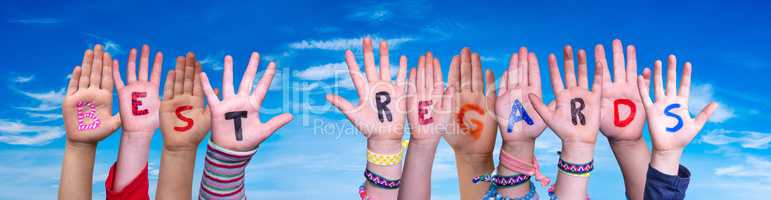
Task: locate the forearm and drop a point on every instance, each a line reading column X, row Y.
column 633, row 158
column 175, row 180
column 469, row 166
column 574, row 187
column 392, row 172
column 416, row 177
column 132, row 158
column 667, row 162
column 77, row 171
column 521, row 150
column 224, row 172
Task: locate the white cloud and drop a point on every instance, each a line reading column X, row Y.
column 381, row 11
column 324, row 71
column 36, row 21
column 752, row 167
column 110, row 46
column 49, row 101
column 345, row 43
column 214, row 61
column 23, row 79
column 747, row 139
column 24, row 134
column 701, row 95
column 45, row 117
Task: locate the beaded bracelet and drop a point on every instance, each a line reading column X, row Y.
column 553, row 195
column 385, row 159
column 572, row 169
column 380, row 181
column 492, row 194
column 363, row 192
column 502, row 181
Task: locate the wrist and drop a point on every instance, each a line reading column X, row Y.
column 385, row 146
column 667, row 161
column 577, row 152
column 520, row 150
column 615, row 143
column 80, row 146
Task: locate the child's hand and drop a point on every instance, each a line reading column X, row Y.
column 622, row 117
column 379, row 114
column 670, row 125
column 522, row 78
column 236, row 123
column 87, row 108
column 184, row 119
column 473, row 127
column 428, row 102
column 139, row 101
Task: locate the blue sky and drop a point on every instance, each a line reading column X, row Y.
column 727, row 43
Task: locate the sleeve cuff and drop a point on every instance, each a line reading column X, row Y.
column 137, row 189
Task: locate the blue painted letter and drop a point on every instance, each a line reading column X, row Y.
column 518, row 113
column 668, row 112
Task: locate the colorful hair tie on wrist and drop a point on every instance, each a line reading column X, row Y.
column 385, row 159
column 381, row 181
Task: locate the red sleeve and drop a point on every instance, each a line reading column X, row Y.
column 137, row 189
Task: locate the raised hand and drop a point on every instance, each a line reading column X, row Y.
column 670, row 125
column 87, row 108
column 379, row 114
column 236, row 123
column 472, row 129
column 622, row 115
column 184, row 119
column 428, row 102
column 139, row 100
column 517, row 119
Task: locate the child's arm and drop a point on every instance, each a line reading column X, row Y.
column 623, row 116
column 237, row 130
column 671, row 128
column 576, row 120
column 519, row 124
column 139, row 103
column 428, row 105
column 87, row 111
column 472, row 130
column 184, row 123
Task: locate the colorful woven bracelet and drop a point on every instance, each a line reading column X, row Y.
column 387, row 160
column 380, row 181
column 502, row 181
column 583, row 169
column 493, row 194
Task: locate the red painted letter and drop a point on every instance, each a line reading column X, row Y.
column 424, row 112
column 135, row 103
column 632, row 109
column 183, row 118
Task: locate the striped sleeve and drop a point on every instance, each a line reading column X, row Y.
column 223, row 173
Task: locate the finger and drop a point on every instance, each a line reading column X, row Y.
column 438, row 76
column 513, row 64
column 421, row 81
column 429, row 76
column 131, row 66
column 704, row 115
column 356, row 77
column 144, row 63
column 476, row 74
column 96, row 67
column 523, row 65
column 114, row 122
column 385, row 65
column 197, row 89
column 369, row 61
column 583, row 80
column 251, row 71
column 619, row 72
column 554, row 73
column 179, row 81
column 85, row 75
column 631, row 63
column 168, row 86
column 264, row 84
column 540, row 108
column 412, row 89
column 601, row 61
column 597, row 80
column 277, row 122
column 343, row 105
column 227, row 78
column 453, row 77
column 465, row 70
column 503, row 83
column 447, row 100
column 106, row 82
column 534, row 72
column 72, row 86
column 570, row 74
column 490, row 85
column 643, row 85
column 671, row 75
column 685, row 83
column 116, row 77
column 155, row 76
column 658, row 88
column 211, row 97
column 189, row 74
column 402, row 73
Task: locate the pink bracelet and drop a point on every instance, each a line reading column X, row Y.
column 531, row 169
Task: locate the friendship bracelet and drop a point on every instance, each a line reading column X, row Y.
column 492, row 194
column 582, row 169
column 502, row 181
column 519, row 166
column 380, row 181
column 387, row 160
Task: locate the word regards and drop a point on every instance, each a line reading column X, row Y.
column 424, row 112
column 87, row 119
column 576, row 106
column 668, row 112
column 236, row 117
column 382, row 99
column 616, row 115
column 478, row 126
column 188, row 121
column 518, row 113
column 135, row 103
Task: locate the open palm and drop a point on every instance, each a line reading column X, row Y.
column 139, row 100
column 184, row 119
column 617, row 120
column 522, row 78
column 428, row 102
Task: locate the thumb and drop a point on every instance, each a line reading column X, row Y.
column 704, row 115
column 114, row 122
column 540, row 108
column 277, row 122
column 343, row 105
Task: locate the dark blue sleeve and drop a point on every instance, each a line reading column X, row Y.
column 660, row 186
